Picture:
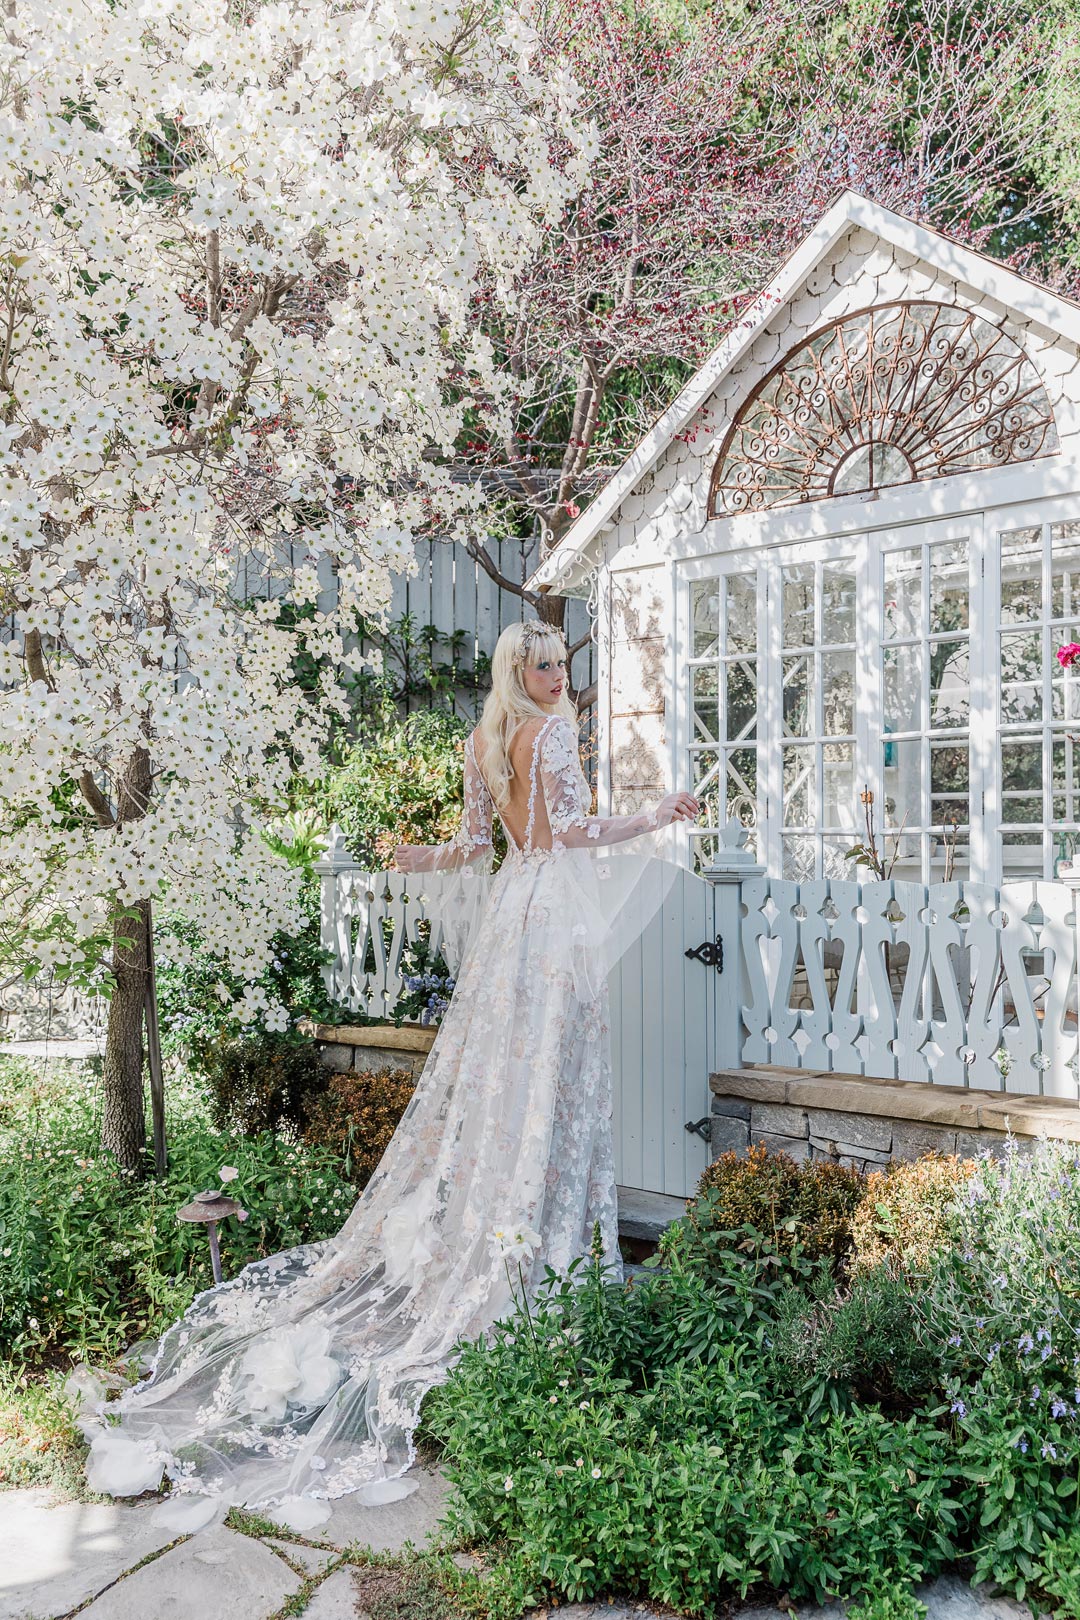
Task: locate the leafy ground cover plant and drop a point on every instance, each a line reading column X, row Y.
column 681, row 1475
column 92, row 1257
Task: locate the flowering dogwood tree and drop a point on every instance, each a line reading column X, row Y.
column 239, row 243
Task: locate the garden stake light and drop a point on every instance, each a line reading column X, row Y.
column 209, row 1208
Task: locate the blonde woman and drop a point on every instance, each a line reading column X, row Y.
column 301, row 1379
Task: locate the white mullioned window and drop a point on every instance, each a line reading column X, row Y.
column 917, row 663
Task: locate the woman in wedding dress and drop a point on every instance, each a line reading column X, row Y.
column 301, row 1379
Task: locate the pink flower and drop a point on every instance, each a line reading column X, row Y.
column 1068, row 654
column 571, row 510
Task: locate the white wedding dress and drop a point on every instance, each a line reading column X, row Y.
column 301, row 1378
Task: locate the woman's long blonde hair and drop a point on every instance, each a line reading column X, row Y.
column 508, row 705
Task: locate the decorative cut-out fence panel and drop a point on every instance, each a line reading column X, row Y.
column 369, row 921
column 958, row 984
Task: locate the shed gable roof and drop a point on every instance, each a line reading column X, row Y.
column 566, row 567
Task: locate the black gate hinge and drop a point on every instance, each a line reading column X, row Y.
column 710, row 952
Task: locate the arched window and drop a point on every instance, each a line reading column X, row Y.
column 887, row 396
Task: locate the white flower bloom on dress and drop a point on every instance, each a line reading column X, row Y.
column 292, row 1369
column 120, row 1466
column 513, row 1243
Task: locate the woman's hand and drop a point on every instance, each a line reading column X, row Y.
column 406, row 858
column 677, row 807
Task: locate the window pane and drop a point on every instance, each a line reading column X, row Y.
column 705, row 617
column 798, row 599
column 1064, row 683
column 742, row 785
column 704, row 763
column 903, row 593
column 837, row 785
column 1065, row 765
column 903, row 688
column 799, row 786
column 797, row 720
column 1022, row 854
column 1021, row 576
column 903, row 783
column 741, row 680
column 853, row 473
column 741, row 613
column 949, row 768
column 1064, row 570
column 837, row 603
column 706, row 704
column 1021, row 676
column 800, row 857
column 837, row 694
column 950, row 684
column 1022, row 765
column 949, row 587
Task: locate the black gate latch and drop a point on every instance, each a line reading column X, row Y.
column 710, row 952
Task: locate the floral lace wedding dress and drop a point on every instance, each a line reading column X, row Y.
column 302, row 1377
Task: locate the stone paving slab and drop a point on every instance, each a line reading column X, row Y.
column 218, row 1571
column 946, row 1599
column 389, row 1527
column 335, row 1599
column 54, row 1555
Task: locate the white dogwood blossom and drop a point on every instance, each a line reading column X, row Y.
column 238, row 245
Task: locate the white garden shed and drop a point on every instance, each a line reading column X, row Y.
column 843, row 559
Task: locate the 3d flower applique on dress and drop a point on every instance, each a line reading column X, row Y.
column 293, row 1368
column 119, row 1465
column 409, row 1240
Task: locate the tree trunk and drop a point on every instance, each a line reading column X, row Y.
column 123, row 1125
column 552, row 610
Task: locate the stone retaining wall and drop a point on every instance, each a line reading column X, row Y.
column 372, row 1047
column 869, row 1123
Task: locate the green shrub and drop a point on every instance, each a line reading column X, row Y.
column 93, row 1257
column 262, row 1082
column 904, row 1215
column 807, row 1207
column 355, row 1116
column 400, row 784
column 836, row 1342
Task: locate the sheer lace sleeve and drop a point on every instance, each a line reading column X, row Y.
column 565, row 794
column 471, row 843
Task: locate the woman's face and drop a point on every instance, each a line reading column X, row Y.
column 546, row 681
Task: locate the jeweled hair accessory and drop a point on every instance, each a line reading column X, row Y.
column 530, row 630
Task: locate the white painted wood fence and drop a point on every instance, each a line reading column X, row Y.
column 957, row 984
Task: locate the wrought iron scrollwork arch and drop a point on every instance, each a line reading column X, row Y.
column 889, row 395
